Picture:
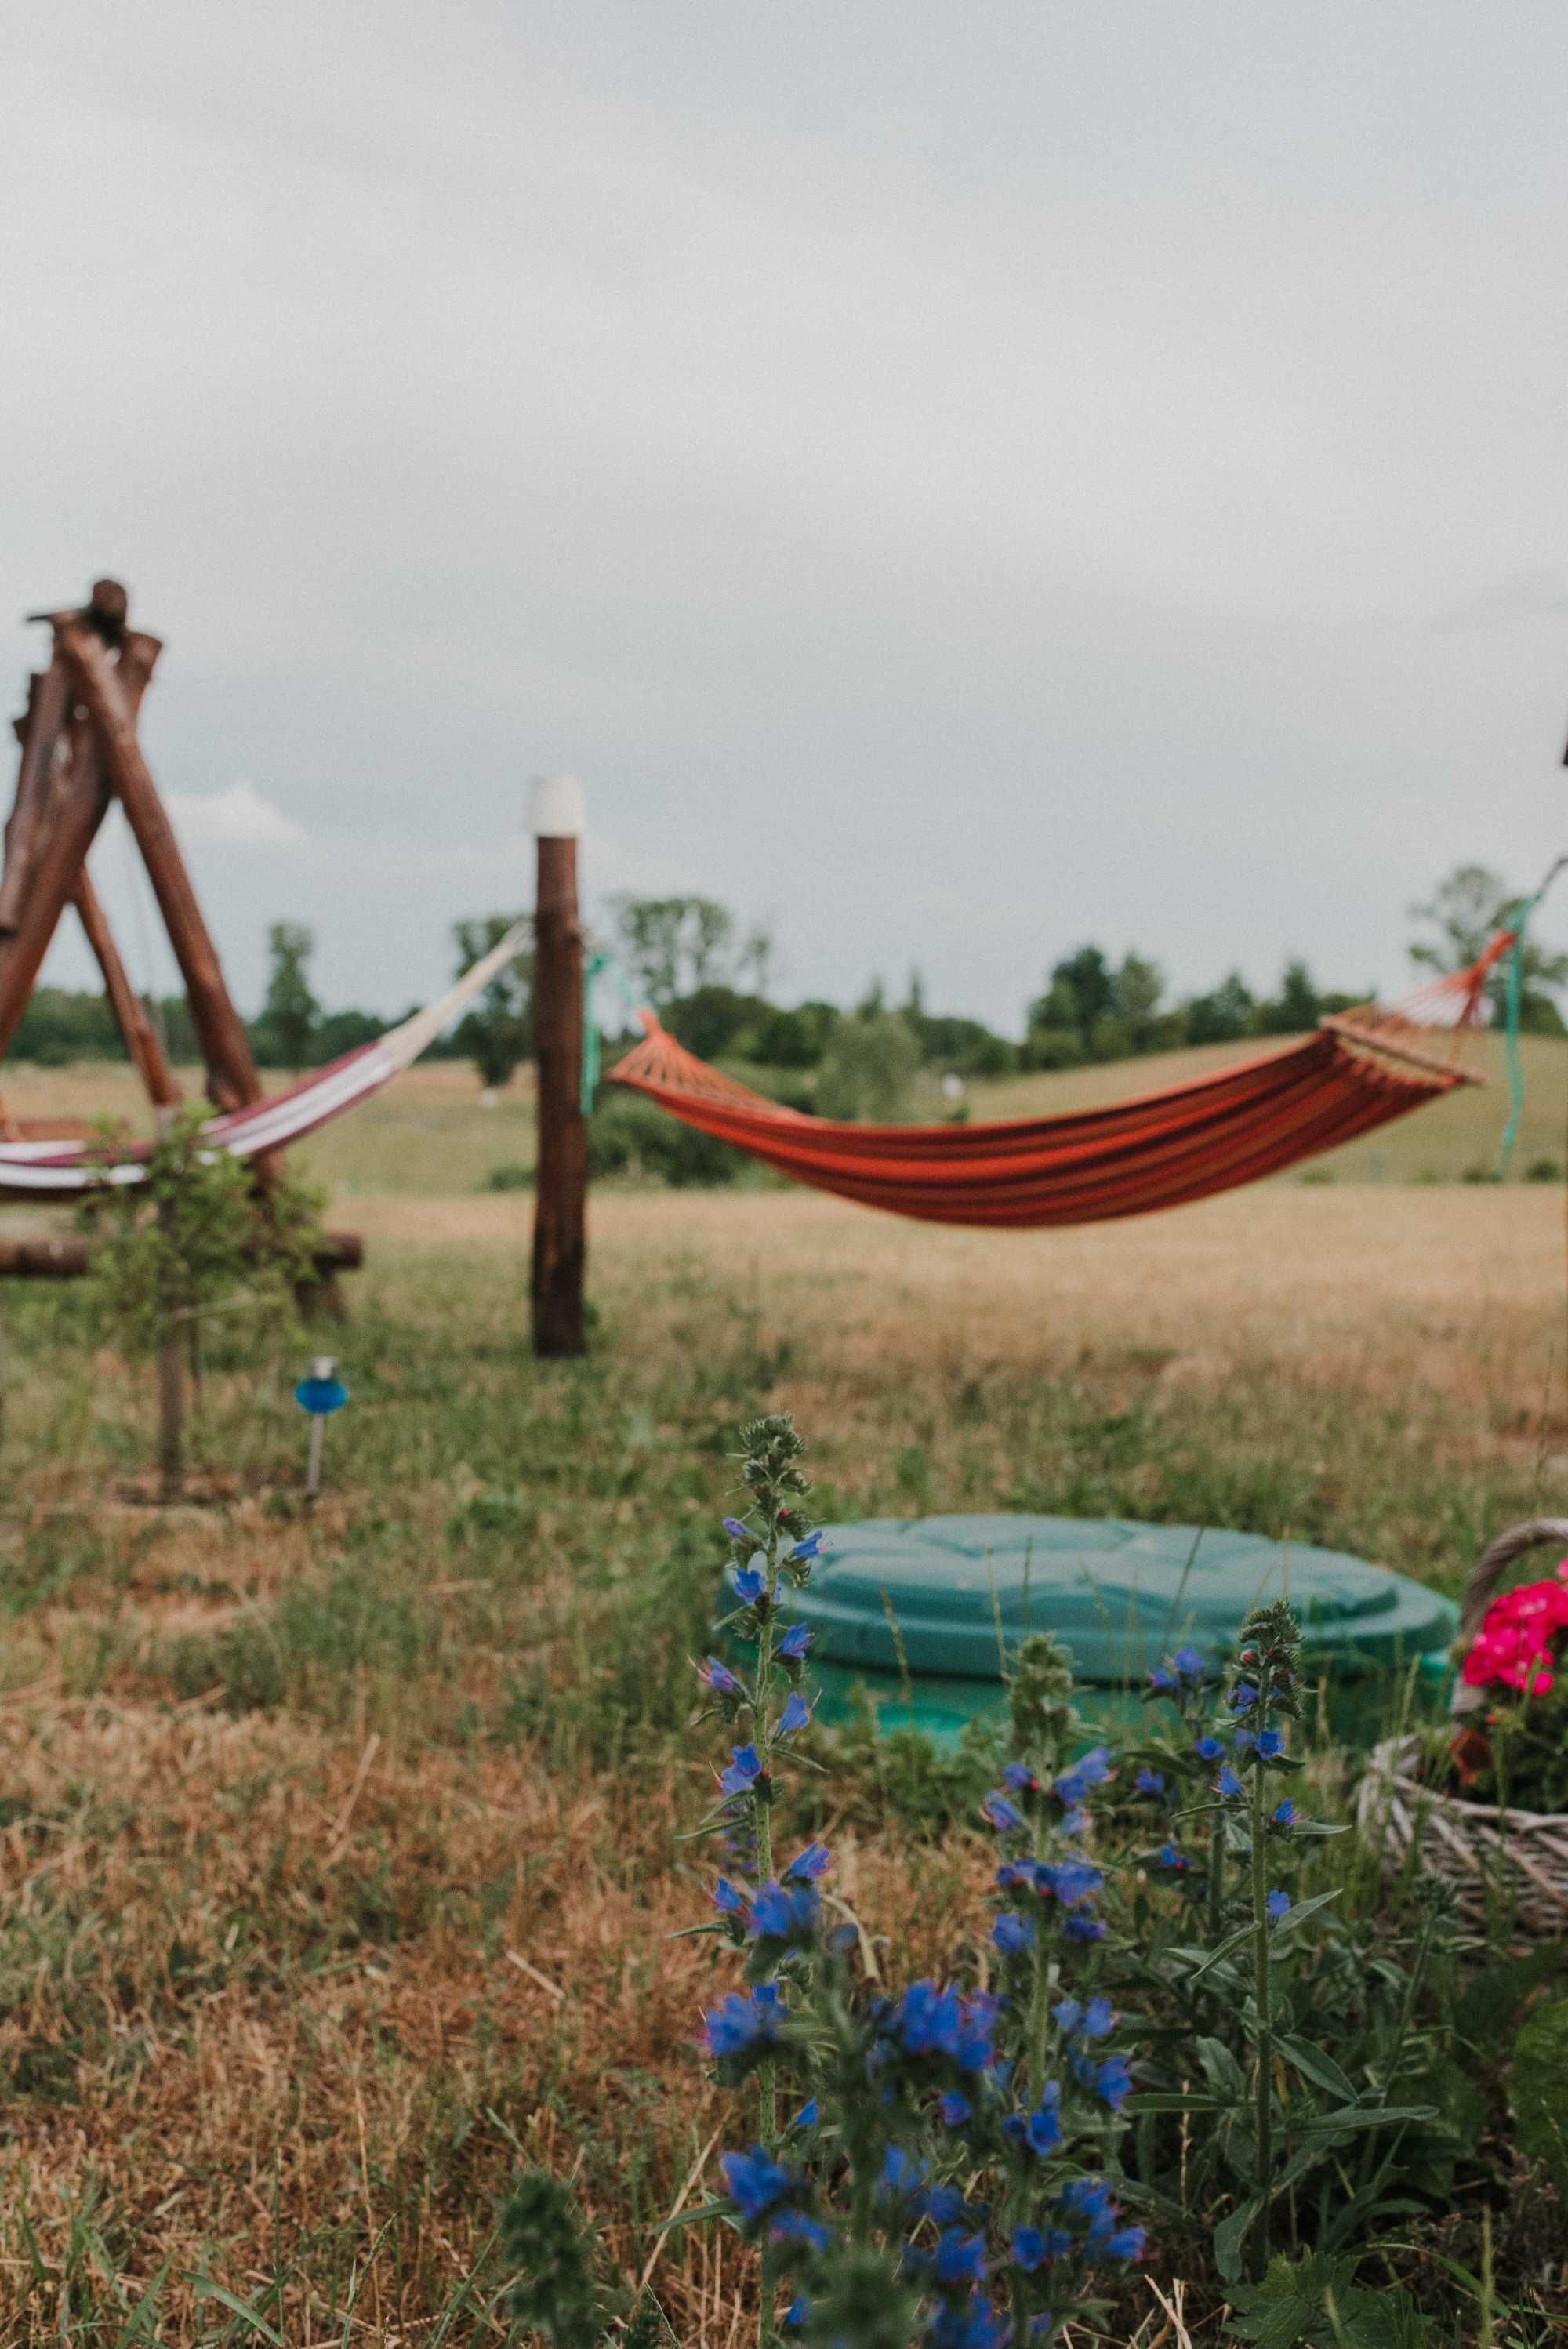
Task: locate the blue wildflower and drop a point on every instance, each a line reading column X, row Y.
column 1011, row 1933
column 1073, row 1822
column 1243, row 1696
column 736, row 1530
column 727, row 1900
column 954, row 2109
column 1043, row 2128
column 1285, row 1815
column 1173, row 1859
column 755, row 2182
column 795, row 1715
column 809, row 1548
column 744, row 1772
column 719, row 1677
column 1084, row 2198
column 1029, row 2249
column 1279, row 1905
column 1228, row 1783
column 1150, row 1783
column 902, row 2176
column 1072, row 1881
column 792, row 1647
column 785, row 1913
column 1082, row 1926
column 944, row 2205
column 1161, row 1682
column 1113, row 2081
column 1094, row 2020
column 808, row 1865
column 1190, row 1664
column 960, row 2258
column 1207, row 1749
column 797, row 2311
column 809, row 2113
column 751, row 1583
column 799, row 2227
column 999, row 1812
column 737, row 2025
column 1270, row 1743
column 1021, row 1778
column 1125, row 2244
column 1243, row 1741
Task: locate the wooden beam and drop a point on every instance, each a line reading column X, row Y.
column 142, row 1040
column 232, row 1078
column 47, row 700
column 560, row 1210
column 75, row 820
column 68, row 1259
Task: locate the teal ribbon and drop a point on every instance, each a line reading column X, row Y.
column 594, row 968
column 1517, row 921
column 590, row 970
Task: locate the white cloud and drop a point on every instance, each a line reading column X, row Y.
column 236, row 817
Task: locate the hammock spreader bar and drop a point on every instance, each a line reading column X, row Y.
column 1163, row 1149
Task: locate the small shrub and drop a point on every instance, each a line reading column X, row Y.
column 1543, row 1170
column 629, row 1136
column 510, row 1178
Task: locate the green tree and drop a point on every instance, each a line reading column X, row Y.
column 192, row 1237
column 498, row 1033
column 290, row 1013
column 1463, row 914
column 1136, row 992
column 868, row 1068
column 674, row 946
column 1224, row 1014
column 1296, row 1008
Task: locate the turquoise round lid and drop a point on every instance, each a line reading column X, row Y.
column 952, row 1592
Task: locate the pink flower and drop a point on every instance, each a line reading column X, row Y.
column 1518, row 1643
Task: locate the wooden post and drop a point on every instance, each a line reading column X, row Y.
column 560, row 1210
column 142, row 1040
column 232, row 1076
column 77, row 817
column 47, row 698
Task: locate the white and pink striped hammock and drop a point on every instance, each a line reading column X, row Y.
column 56, row 1170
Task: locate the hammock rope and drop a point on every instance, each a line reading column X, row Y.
column 1360, row 1070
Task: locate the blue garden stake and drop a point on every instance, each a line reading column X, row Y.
column 320, row 1393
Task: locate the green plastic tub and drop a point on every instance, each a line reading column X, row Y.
column 920, row 1613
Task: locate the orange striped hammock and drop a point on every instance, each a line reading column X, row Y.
column 1359, row 1071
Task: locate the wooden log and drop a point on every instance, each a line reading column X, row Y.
column 232, row 1078
column 75, row 820
column 68, row 1259
column 559, row 1209
column 142, row 1040
column 46, row 705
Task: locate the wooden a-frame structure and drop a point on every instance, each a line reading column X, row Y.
column 79, row 749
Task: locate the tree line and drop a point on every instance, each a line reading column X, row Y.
column 709, row 978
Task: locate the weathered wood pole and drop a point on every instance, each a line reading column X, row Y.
column 47, row 700
column 231, row 1075
column 560, row 1191
column 74, row 822
column 142, row 1040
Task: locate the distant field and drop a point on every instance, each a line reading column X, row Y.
column 430, row 1136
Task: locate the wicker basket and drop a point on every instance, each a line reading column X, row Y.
column 1516, row 1861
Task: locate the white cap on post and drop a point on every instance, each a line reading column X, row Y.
column 555, row 807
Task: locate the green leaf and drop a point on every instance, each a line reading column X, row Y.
column 1302, row 1910
column 205, row 2289
column 1157, row 2102
column 1314, row 2303
column 1231, row 2235
column 1363, row 2116
column 1494, row 1998
column 1221, row 2070
column 1223, row 1949
column 1538, row 2090
column 1320, row 2069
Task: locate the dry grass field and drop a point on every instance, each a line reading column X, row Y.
column 338, row 1852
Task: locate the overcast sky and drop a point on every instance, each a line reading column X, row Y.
column 953, row 481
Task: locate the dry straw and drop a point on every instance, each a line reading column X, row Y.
column 1500, row 1861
